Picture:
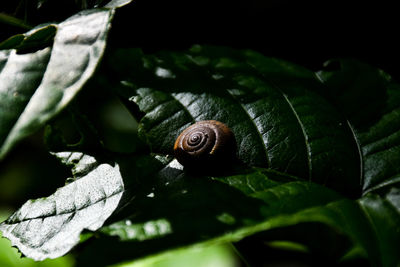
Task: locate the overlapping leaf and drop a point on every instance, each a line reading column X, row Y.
column 283, row 120
column 36, row 85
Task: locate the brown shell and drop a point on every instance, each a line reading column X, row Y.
column 205, row 142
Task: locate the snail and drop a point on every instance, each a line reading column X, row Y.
column 205, row 144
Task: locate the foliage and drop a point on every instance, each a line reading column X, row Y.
column 317, row 153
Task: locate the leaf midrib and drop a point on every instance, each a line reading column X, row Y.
column 66, row 212
column 359, row 150
column 308, row 147
column 254, row 125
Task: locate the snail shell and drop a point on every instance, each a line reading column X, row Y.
column 206, row 142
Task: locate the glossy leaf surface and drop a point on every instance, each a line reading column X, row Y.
column 274, row 109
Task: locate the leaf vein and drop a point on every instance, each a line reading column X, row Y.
column 64, row 213
column 308, row 146
column 264, row 146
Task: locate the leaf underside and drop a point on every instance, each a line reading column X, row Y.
column 50, row 227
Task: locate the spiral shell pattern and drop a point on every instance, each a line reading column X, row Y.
column 210, row 142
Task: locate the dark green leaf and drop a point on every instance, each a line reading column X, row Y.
column 273, row 107
column 38, row 37
column 12, row 42
column 382, row 210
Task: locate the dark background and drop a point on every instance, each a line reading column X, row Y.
column 305, row 32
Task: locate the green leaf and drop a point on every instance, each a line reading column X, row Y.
column 370, row 99
column 12, row 42
column 37, row 37
column 219, row 255
column 36, row 85
column 274, row 109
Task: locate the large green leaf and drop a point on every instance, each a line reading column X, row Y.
column 37, row 85
column 279, row 119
